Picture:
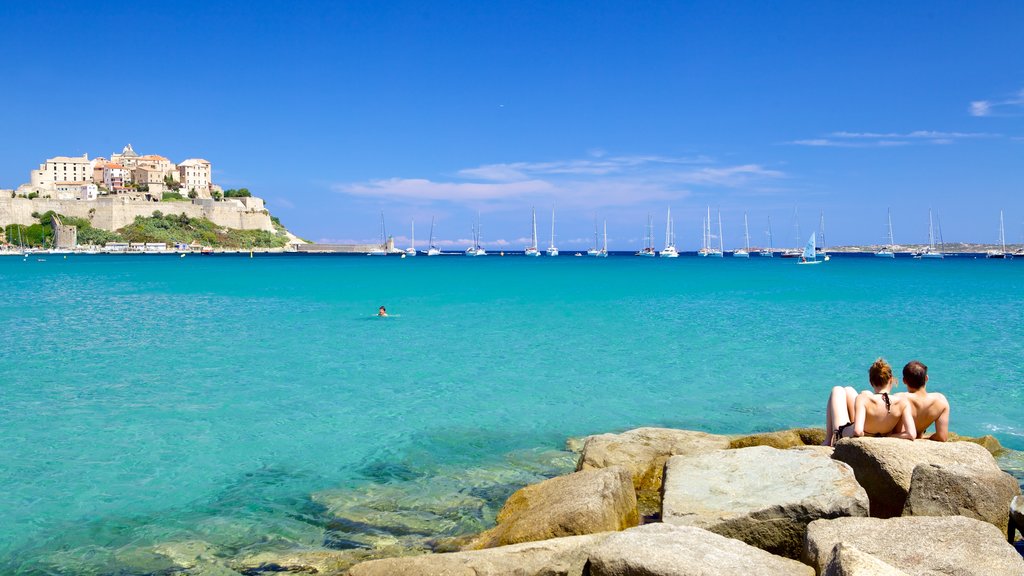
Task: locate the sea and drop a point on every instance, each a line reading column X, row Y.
column 232, row 406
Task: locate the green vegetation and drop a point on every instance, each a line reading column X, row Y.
column 173, row 197
column 181, row 228
column 239, row 193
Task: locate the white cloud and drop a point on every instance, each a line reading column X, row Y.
column 845, row 139
column 1009, row 106
column 591, row 184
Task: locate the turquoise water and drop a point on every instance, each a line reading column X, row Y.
column 153, row 399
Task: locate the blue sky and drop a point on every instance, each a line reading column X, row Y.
column 334, row 111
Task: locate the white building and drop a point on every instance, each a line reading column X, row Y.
column 195, row 175
column 76, row 191
column 116, row 177
column 61, row 169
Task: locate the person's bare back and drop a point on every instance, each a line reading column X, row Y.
column 882, row 414
column 927, row 407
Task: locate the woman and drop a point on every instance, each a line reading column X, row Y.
column 850, row 414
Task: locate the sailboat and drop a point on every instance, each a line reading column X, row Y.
column 705, row 242
column 810, row 254
column 1001, row 252
column 431, row 249
column 769, row 251
column 648, row 249
column 708, row 250
column 604, row 250
column 382, row 249
column 794, row 252
column 475, row 249
column 821, row 232
column 532, row 250
column 745, row 251
column 411, row 251
column 929, row 251
column 552, row 250
column 670, row 238
column 595, row 251
column 887, row 251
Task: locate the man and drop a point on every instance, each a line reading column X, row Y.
column 382, row 312
column 928, row 407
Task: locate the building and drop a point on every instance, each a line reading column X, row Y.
column 127, row 158
column 116, row 177
column 61, row 169
column 195, row 175
column 64, row 236
column 76, row 191
column 97, row 169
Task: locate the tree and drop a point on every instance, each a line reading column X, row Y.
column 216, row 195
column 193, row 194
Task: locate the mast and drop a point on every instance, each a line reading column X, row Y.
column 821, row 228
column 889, row 210
column 938, row 222
column 668, row 229
column 720, row 247
column 1002, row 238
column 534, row 243
column 746, row 233
column 770, row 246
column 931, row 231
column 383, row 232
column 412, row 239
column 707, row 230
column 605, row 247
column 431, row 232
column 552, row 227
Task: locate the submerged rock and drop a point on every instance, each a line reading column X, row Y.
column 666, row 550
column 585, row 502
column 760, row 495
column 919, row 545
column 847, row 560
column 643, row 452
column 555, row 557
column 957, row 490
column 885, row 466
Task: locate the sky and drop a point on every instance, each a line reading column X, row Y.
column 335, row 112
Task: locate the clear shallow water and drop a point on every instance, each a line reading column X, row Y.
column 152, row 399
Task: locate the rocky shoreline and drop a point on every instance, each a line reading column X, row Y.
column 656, row 501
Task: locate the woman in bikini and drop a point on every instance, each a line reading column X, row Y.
column 875, row 414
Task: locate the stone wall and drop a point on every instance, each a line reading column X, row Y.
column 113, row 213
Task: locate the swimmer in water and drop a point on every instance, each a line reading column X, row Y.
column 382, row 312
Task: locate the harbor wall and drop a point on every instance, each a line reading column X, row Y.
column 114, row 213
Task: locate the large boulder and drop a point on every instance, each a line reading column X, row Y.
column 957, row 490
column 847, row 560
column 666, row 550
column 920, row 545
column 643, row 452
column 556, row 557
column 585, row 502
column 781, row 438
column 988, row 442
column 761, row 495
column 885, row 466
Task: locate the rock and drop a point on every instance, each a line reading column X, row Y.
column 988, row 442
column 556, row 557
column 884, row 466
column 847, row 560
column 760, row 495
column 1016, row 516
column 957, row 490
column 643, row 452
column 585, row 502
column 918, row 545
column 666, row 550
column 322, row 562
column 782, row 438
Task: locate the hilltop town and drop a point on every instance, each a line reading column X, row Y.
column 128, row 189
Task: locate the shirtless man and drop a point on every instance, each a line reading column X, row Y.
column 927, row 407
column 876, row 414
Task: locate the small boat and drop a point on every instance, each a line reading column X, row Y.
column 810, row 253
column 382, row 249
column 1000, row 253
column 768, row 252
column 431, row 249
column 603, row 252
column 552, row 250
column 670, row 238
column 648, row 250
column 821, row 234
column 532, row 250
column 476, row 249
column 889, row 250
column 595, row 251
column 411, row 251
column 745, row 251
column 929, row 252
